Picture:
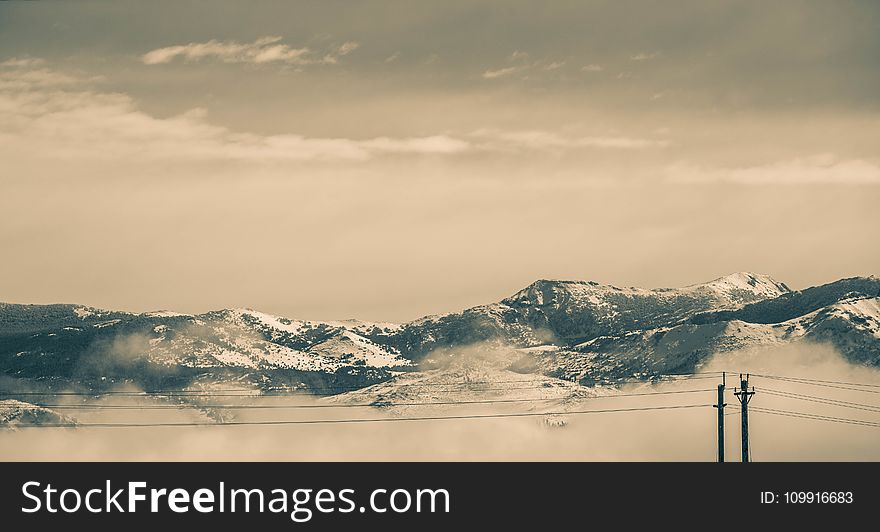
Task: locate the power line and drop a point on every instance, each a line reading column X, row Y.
column 255, row 393
column 365, row 420
column 818, row 417
column 822, row 384
column 823, row 400
column 239, row 392
column 783, row 377
column 378, row 403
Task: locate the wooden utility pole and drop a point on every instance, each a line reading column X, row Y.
column 744, row 396
column 720, row 406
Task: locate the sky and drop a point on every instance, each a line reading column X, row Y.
column 384, row 160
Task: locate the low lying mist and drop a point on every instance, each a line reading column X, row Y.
column 687, row 434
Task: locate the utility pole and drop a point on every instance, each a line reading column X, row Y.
column 720, row 406
column 744, row 396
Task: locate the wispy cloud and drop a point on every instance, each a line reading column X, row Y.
column 21, row 62
column 261, row 51
column 644, row 56
column 332, row 57
column 519, row 61
column 20, row 79
column 52, row 115
column 501, row 72
column 815, row 169
column 545, row 140
column 592, row 67
column 348, row 47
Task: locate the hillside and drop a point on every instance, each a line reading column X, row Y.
column 579, row 331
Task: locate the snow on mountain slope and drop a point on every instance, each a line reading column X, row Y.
column 166, row 314
column 58, row 346
column 356, row 349
column 232, row 348
column 566, row 313
column 278, row 324
column 250, row 339
column 738, row 289
column 467, row 388
column 332, row 344
column 268, row 322
column 860, row 313
column 851, row 325
column 794, row 304
column 15, row 413
column 730, row 291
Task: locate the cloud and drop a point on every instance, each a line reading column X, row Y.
column 501, row 72
column 519, row 61
column 53, row 115
column 342, row 50
column 27, row 61
column 816, row 169
column 643, row 56
column 684, row 434
column 440, row 144
column 48, row 115
column 592, row 67
column 545, row 140
column 19, row 79
column 261, row 51
column 348, row 47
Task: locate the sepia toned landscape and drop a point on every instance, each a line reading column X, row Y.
column 459, row 231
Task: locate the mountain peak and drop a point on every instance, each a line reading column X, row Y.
column 541, row 283
column 749, row 281
column 547, row 290
column 755, row 283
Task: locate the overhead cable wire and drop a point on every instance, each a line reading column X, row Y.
column 356, row 420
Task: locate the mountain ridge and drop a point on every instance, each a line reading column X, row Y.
column 575, row 330
column 172, row 313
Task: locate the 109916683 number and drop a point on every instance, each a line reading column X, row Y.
column 808, row 497
column 818, row 497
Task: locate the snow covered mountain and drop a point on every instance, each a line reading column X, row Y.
column 55, row 345
column 845, row 314
column 566, row 313
column 14, row 413
column 579, row 331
